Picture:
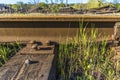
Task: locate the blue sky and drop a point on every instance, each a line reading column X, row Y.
column 25, row 1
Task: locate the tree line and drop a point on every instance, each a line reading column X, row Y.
column 54, row 6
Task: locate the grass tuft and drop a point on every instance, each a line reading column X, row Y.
column 86, row 58
column 7, row 51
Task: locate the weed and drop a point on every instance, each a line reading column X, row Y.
column 85, row 58
column 7, row 51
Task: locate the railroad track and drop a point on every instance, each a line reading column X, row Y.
column 36, row 60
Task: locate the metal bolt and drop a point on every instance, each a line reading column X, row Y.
column 38, row 48
column 32, row 42
column 27, row 61
column 48, row 42
column 34, row 46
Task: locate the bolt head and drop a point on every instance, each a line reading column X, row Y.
column 27, row 61
column 34, row 46
column 32, row 41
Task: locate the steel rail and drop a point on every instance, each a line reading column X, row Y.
column 23, row 28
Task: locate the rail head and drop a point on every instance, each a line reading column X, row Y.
column 93, row 18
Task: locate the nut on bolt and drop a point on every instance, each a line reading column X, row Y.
column 38, row 48
column 32, row 42
column 48, row 42
column 34, row 46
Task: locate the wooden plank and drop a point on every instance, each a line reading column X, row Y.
column 38, row 69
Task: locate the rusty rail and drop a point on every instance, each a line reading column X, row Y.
column 43, row 28
column 51, row 27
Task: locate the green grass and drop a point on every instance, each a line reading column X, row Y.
column 84, row 58
column 7, row 51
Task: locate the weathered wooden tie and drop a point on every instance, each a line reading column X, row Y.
column 31, row 63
